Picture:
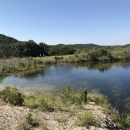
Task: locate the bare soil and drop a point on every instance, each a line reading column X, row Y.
column 12, row 116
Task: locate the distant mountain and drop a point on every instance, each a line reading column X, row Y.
column 86, row 45
column 7, row 40
column 82, row 46
column 77, row 45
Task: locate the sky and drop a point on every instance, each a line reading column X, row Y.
column 101, row 22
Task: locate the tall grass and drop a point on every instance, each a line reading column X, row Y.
column 13, row 65
column 87, row 119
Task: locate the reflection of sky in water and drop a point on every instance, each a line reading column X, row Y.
column 112, row 81
column 62, row 75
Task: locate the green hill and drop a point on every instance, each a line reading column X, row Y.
column 7, row 40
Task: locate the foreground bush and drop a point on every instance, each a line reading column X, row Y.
column 124, row 121
column 68, row 94
column 12, row 96
column 127, row 121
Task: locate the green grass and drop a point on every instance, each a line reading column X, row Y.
column 31, row 101
column 98, row 98
column 124, row 121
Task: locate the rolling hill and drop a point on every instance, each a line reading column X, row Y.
column 7, row 40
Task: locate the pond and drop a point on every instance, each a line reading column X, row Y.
column 111, row 79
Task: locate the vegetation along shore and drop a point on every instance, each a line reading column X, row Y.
column 18, row 56
column 66, row 109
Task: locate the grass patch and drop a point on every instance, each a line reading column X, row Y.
column 46, row 103
column 98, row 98
column 29, row 123
column 87, row 119
column 31, row 101
column 124, row 121
column 16, row 65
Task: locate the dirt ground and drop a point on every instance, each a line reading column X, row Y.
column 12, row 116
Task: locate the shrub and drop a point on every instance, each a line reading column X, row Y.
column 28, row 124
column 31, row 121
column 123, row 122
column 98, row 99
column 68, row 94
column 22, row 64
column 31, row 101
column 46, row 103
column 12, row 96
column 127, row 121
column 83, row 96
column 58, row 58
column 86, row 120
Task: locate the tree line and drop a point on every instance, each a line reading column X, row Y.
column 12, row 47
column 83, row 52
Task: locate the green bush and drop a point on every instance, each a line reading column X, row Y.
column 98, row 99
column 22, row 64
column 123, row 122
column 31, row 101
column 46, row 103
column 127, row 121
column 83, row 96
column 68, row 94
column 11, row 95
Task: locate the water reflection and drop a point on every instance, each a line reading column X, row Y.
column 111, row 79
column 104, row 66
column 1, row 78
column 32, row 74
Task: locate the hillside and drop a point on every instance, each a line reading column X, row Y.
column 7, row 40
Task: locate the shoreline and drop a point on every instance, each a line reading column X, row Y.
column 65, row 110
column 27, row 65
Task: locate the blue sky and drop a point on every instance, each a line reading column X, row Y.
column 102, row 22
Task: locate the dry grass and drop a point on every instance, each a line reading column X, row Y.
column 52, row 58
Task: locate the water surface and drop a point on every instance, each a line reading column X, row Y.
column 112, row 80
